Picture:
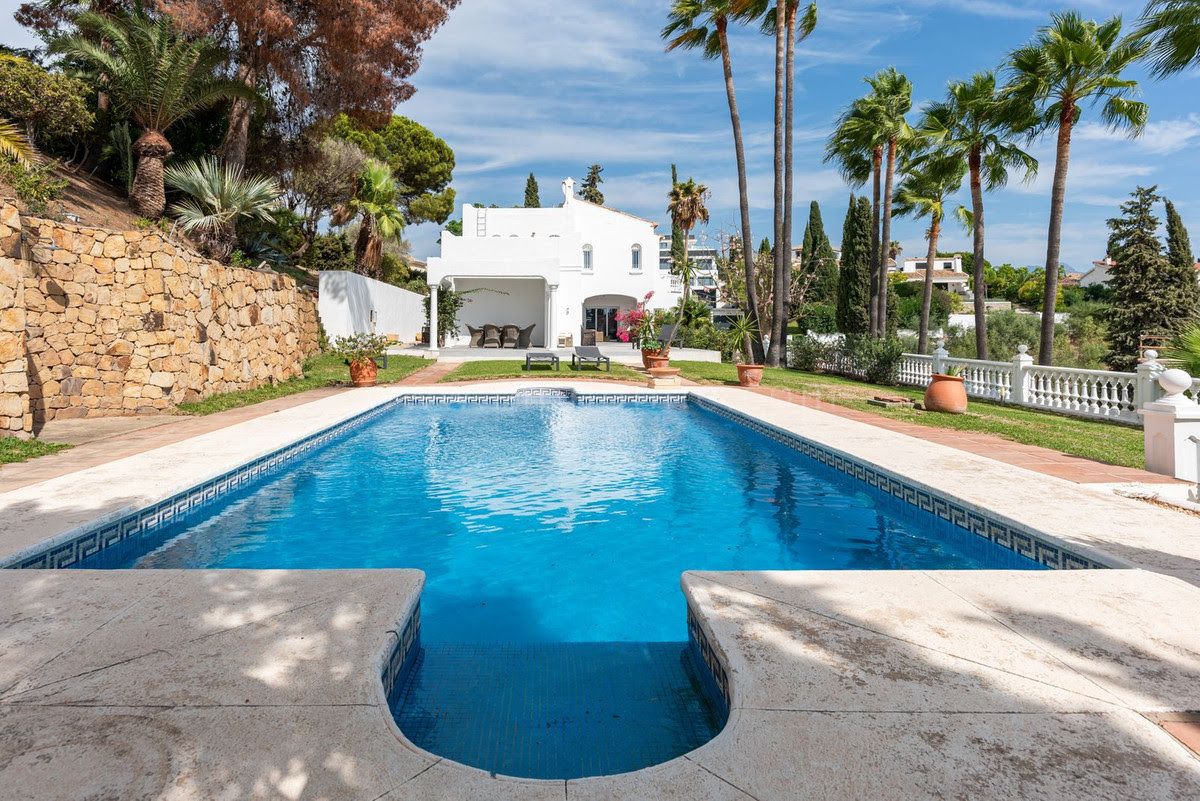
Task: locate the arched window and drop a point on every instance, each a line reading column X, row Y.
column 635, row 258
column 587, row 258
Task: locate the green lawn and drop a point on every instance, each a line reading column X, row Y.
column 320, row 371
column 19, row 450
column 505, row 368
column 1111, row 443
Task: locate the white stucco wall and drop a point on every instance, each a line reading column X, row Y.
column 347, row 299
column 524, row 302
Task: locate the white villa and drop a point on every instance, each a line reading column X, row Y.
column 948, row 273
column 563, row 270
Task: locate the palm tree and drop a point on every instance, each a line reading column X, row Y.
column 688, row 206
column 1172, row 28
column 219, row 196
column 857, row 144
column 795, row 28
column 375, row 204
column 156, row 77
column 924, row 191
column 704, row 25
column 1070, row 63
column 975, row 125
column 13, row 143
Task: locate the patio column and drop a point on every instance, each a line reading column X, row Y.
column 551, row 316
column 433, row 319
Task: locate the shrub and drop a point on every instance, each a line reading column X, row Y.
column 36, row 185
column 874, row 360
column 807, row 353
column 820, row 318
column 359, row 347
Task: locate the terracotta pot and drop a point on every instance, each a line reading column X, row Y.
column 946, row 393
column 653, row 359
column 750, row 375
column 362, row 374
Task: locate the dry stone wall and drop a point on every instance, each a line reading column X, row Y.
column 131, row 322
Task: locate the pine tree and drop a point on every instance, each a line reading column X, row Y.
column 678, row 245
column 818, row 258
column 590, row 189
column 854, row 278
column 533, row 200
column 1150, row 295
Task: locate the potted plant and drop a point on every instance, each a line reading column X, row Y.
column 361, row 351
column 640, row 325
column 741, row 330
column 947, row 392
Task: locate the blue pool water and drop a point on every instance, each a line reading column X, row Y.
column 553, row 536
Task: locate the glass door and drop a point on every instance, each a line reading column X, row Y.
column 602, row 320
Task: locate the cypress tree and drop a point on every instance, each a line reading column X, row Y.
column 678, row 245
column 854, row 278
column 1182, row 259
column 533, row 199
column 819, row 259
column 1150, row 295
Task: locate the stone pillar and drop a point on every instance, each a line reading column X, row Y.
column 1020, row 377
column 551, row 316
column 1148, row 372
column 433, row 319
column 1172, row 429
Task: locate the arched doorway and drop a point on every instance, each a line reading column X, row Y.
column 600, row 315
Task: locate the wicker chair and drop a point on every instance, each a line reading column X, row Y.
column 524, row 337
column 491, row 336
column 509, row 336
column 476, row 336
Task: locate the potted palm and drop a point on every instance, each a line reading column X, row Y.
column 947, row 392
column 741, row 330
column 361, row 351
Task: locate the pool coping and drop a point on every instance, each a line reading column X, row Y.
column 188, row 495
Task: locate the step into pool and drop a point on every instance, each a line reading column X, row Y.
column 553, row 640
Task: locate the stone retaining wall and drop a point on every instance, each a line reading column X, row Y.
column 111, row 323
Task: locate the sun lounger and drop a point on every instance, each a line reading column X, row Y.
column 590, row 354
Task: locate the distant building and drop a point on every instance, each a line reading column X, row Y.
column 948, row 273
column 1102, row 270
column 706, row 284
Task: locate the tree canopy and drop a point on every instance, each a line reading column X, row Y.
column 589, row 190
column 533, row 199
column 818, row 258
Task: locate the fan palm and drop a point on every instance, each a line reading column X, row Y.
column 376, row 206
column 1172, row 28
column 891, row 94
column 795, row 27
column 924, row 192
column 975, row 125
column 218, row 196
column 1071, row 63
column 155, row 76
column 704, row 25
column 687, row 205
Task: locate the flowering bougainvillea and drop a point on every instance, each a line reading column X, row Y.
column 639, row 325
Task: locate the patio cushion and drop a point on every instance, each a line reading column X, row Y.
column 526, row 334
column 509, row 336
column 476, row 336
column 491, row 336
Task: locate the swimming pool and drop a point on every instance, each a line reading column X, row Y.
column 553, row 533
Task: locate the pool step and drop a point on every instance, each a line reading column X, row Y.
column 555, row 710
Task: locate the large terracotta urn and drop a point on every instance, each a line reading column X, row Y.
column 750, row 375
column 654, row 359
column 946, row 393
column 363, row 373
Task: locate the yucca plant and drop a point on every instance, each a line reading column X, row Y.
column 376, row 206
column 218, row 196
column 157, row 77
column 1185, row 349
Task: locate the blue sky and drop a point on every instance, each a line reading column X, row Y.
column 550, row 87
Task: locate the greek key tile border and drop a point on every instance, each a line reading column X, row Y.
column 73, row 549
column 716, row 680
column 1011, row 536
column 403, row 654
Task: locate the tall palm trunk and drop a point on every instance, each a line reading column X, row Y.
column 876, row 248
column 685, row 273
column 788, row 113
column 148, row 196
column 1058, row 195
column 886, row 236
column 368, row 248
column 782, row 247
column 927, row 295
column 978, row 278
column 237, row 131
column 739, row 148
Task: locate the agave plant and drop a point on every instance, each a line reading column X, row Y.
column 1186, row 349
column 218, row 196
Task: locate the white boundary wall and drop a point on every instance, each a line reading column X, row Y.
column 348, row 300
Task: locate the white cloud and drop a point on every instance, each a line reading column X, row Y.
column 1159, row 138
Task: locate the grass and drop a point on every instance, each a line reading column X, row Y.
column 320, row 371
column 505, row 368
column 1111, row 443
column 13, row 450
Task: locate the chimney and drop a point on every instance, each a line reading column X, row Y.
column 568, row 188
